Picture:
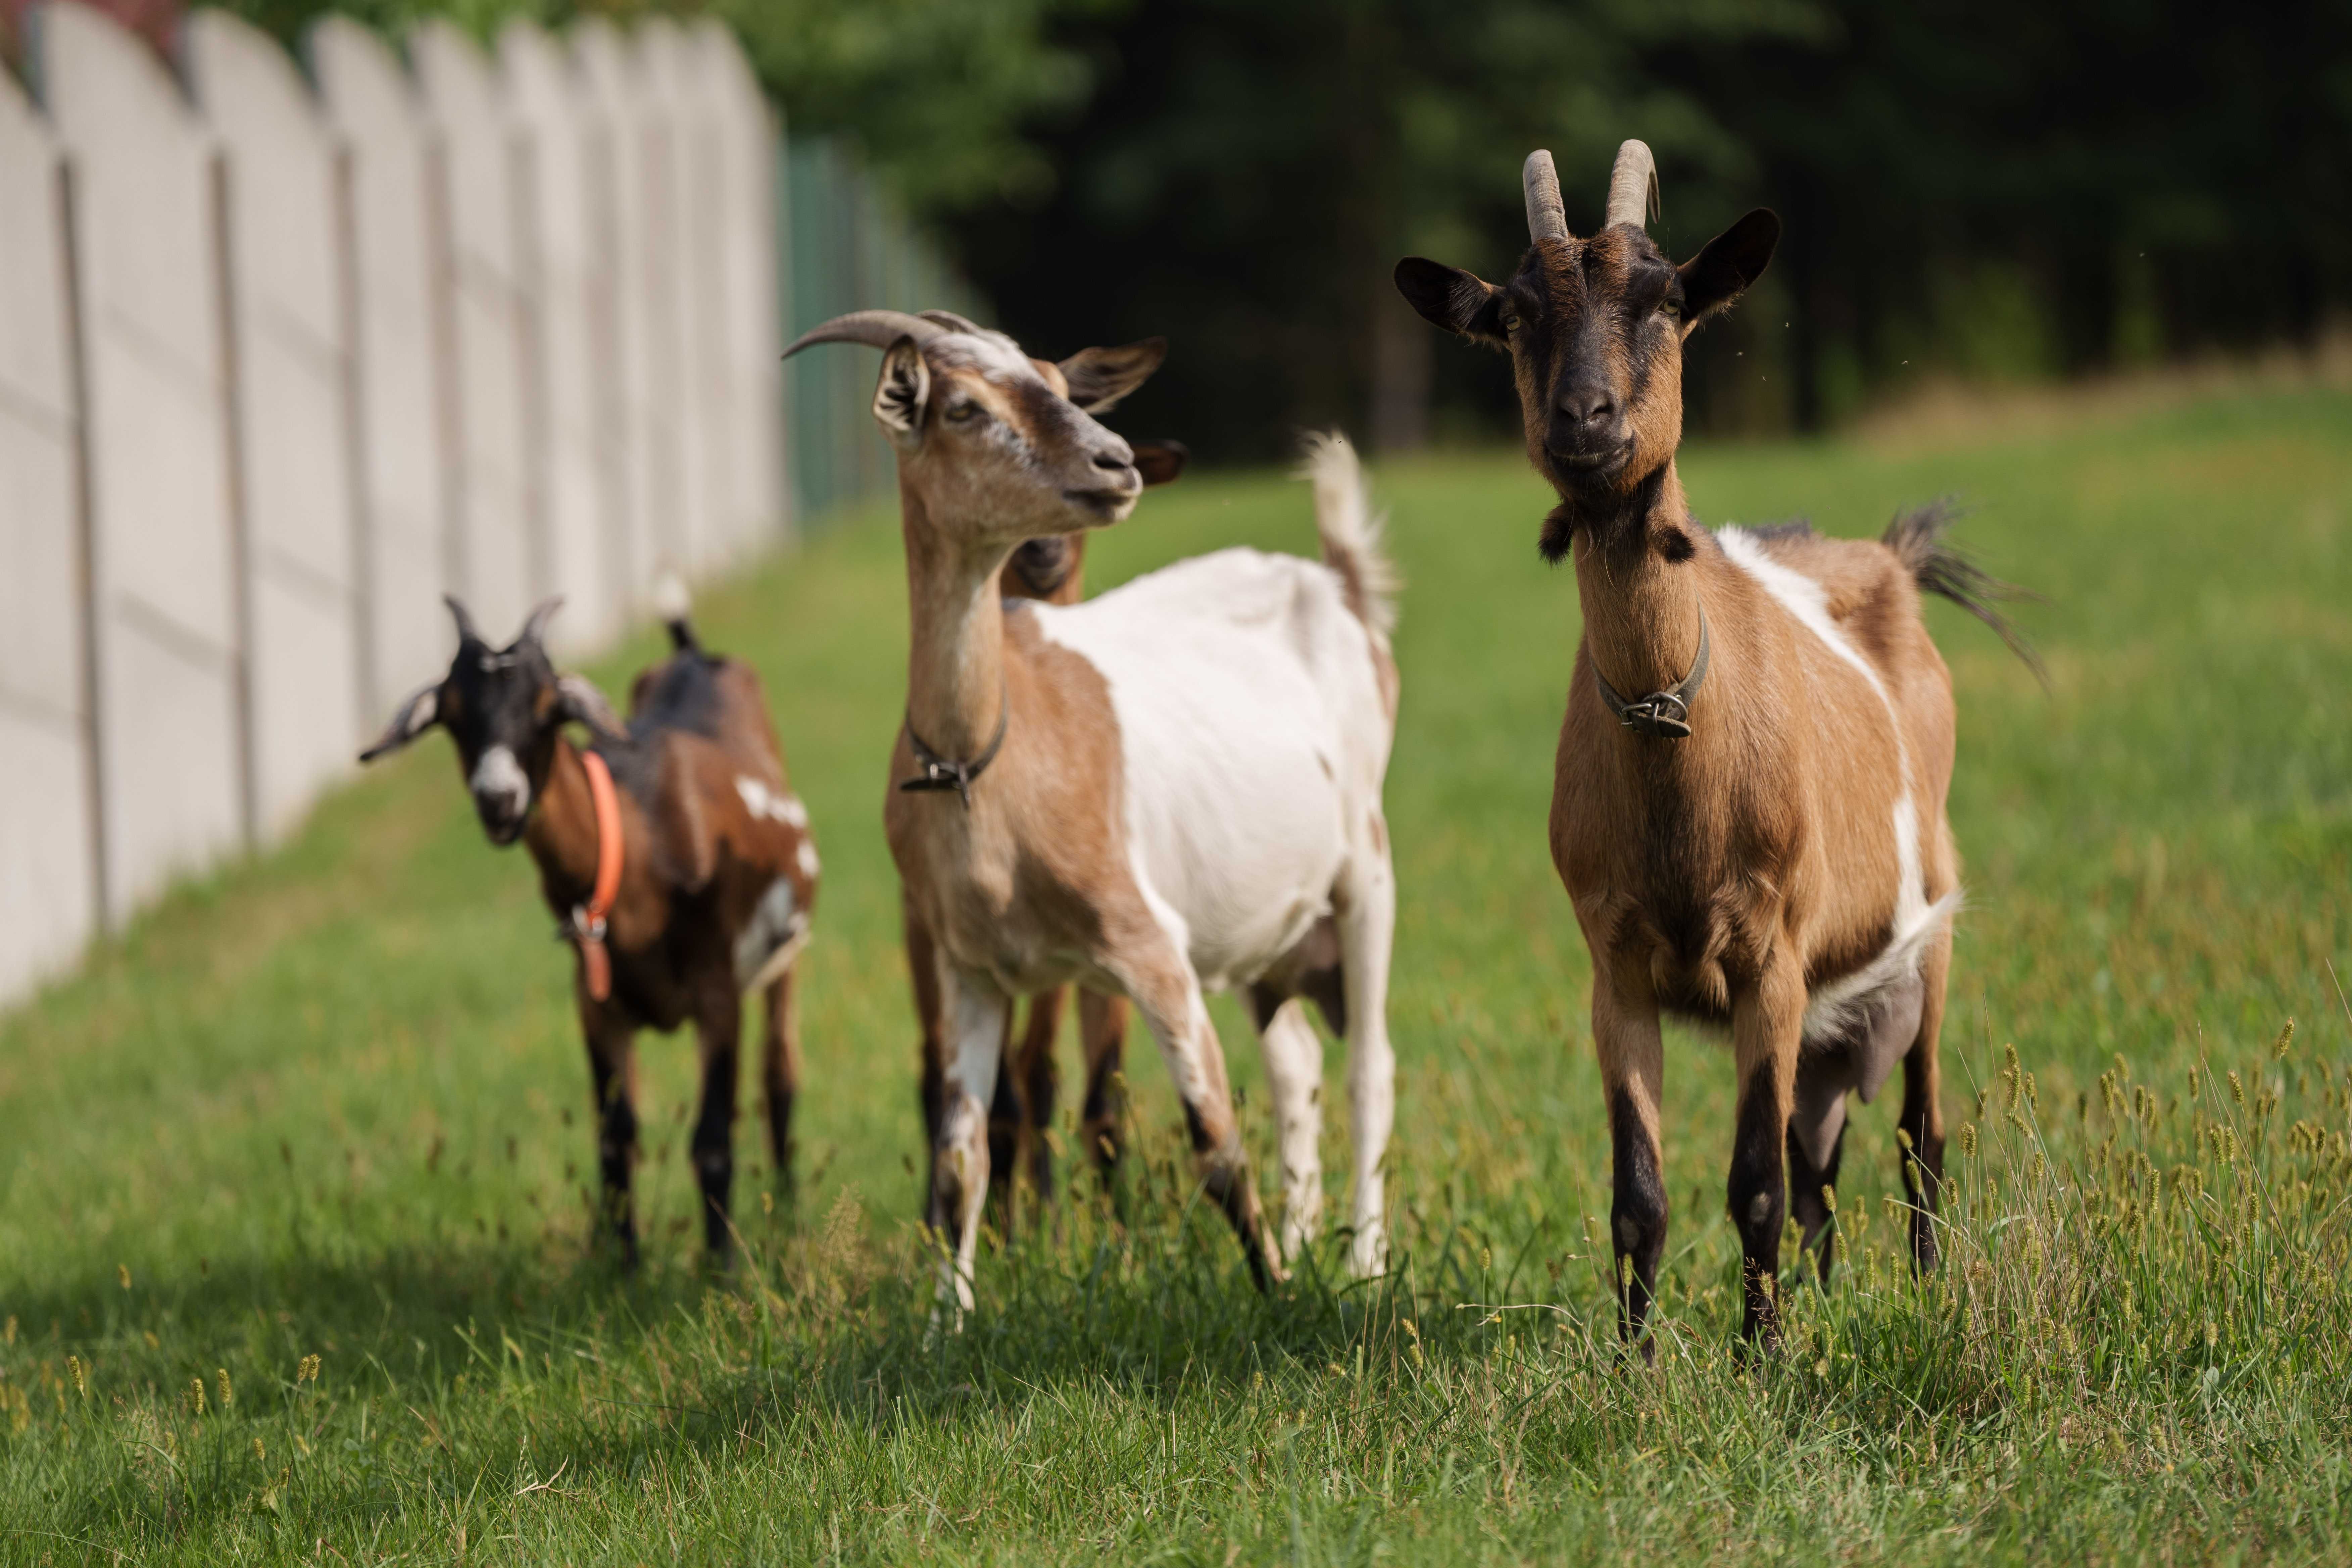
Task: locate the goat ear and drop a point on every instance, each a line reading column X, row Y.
column 1160, row 461
column 1733, row 260
column 578, row 702
column 418, row 714
column 1448, row 297
column 1098, row 378
column 902, row 394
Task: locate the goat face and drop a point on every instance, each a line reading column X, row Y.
column 1005, row 447
column 503, row 708
column 1595, row 329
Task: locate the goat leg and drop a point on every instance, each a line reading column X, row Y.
column 1922, row 1119
column 612, row 1070
column 718, row 1026
column 1631, row 1058
column 1767, row 1022
column 1102, row 1034
column 780, row 1062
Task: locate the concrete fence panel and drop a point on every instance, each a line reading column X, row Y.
column 288, row 334
column 502, row 546
column 637, row 410
column 564, row 192
column 753, row 433
column 406, row 517
column 168, row 618
column 48, row 848
column 677, row 74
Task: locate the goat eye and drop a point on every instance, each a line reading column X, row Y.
column 1670, row 306
column 1510, row 321
column 963, row 413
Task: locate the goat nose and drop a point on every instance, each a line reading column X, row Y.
column 1588, row 405
column 1112, row 459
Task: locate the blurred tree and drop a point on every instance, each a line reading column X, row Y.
column 1249, row 173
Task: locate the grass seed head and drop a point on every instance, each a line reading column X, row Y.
column 2285, row 1042
column 197, row 1394
column 122, row 1272
column 227, row 1393
column 80, row 1374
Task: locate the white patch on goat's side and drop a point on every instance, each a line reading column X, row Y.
column 805, row 856
column 498, row 776
column 1252, row 731
column 775, row 804
column 1834, row 1010
column 772, row 937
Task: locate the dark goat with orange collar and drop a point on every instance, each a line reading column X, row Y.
column 716, row 871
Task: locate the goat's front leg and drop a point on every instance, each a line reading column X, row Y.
column 779, row 1065
column 923, row 973
column 1633, row 1070
column 1367, row 919
column 718, row 1027
column 976, row 1015
column 1164, row 988
column 1767, row 1024
column 613, row 1074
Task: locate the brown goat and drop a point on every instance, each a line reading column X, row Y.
column 1052, row 571
column 717, row 878
column 1756, row 841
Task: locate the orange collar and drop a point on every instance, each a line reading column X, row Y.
column 588, row 919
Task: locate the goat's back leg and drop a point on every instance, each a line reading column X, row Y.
column 613, row 1078
column 1293, row 1073
column 1161, row 982
column 1022, row 1108
column 1812, row 1182
column 1921, row 1122
column 780, row 1067
column 718, row 1030
column 1102, row 1037
column 976, row 1018
column 1632, row 1057
column 1365, row 907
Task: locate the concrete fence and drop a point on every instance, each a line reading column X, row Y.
column 290, row 347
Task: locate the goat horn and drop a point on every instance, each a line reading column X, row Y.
column 875, row 329
column 1632, row 184
column 535, row 628
column 1547, row 216
column 466, row 631
column 950, row 320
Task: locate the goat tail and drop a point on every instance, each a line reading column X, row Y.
column 1917, row 537
column 1350, row 530
column 672, row 603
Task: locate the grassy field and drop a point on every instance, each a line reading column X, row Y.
column 331, row 1105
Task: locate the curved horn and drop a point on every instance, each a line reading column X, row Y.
column 1632, row 184
column 466, row 631
column 875, row 329
column 1547, row 217
column 535, row 628
column 950, row 320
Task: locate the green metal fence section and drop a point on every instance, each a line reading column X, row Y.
column 846, row 246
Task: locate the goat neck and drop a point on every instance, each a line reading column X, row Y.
column 955, row 665
column 1638, row 583
column 562, row 833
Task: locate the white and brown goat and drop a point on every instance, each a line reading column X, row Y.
column 674, row 855
column 1160, row 792
column 1755, row 838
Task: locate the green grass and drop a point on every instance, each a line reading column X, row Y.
column 330, row 1103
